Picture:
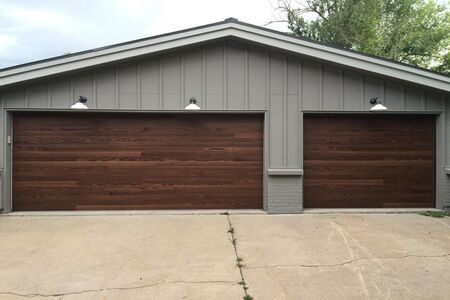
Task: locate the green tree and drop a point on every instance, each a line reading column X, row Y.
column 415, row 32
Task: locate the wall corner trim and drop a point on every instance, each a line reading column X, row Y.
column 285, row 172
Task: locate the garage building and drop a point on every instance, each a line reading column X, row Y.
column 283, row 124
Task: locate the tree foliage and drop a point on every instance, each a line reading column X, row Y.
column 415, row 32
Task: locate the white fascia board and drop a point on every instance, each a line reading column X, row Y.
column 241, row 31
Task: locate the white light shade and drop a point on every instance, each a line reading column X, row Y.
column 79, row 105
column 378, row 107
column 192, row 106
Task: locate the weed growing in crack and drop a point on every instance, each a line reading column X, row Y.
column 239, row 260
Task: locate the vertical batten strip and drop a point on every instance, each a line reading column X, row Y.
column 72, row 92
column 268, row 107
column 446, row 114
column 182, row 81
column 341, row 94
column 300, row 114
column 403, row 96
column 285, row 114
column 49, row 96
column 138, row 85
column 203, row 78
column 247, row 80
column 225, row 77
column 300, row 85
column 363, row 91
column 26, row 102
column 267, row 80
column 94, row 90
column 422, row 99
column 321, row 87
column 160, row 84
column 116, row 76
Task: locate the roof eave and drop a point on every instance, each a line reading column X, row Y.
column 218, row 31
column 110, row 54
column 348, row 58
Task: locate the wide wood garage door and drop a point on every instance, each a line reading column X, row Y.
column 89, row 161
column 378, row 161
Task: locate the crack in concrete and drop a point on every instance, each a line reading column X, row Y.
column 347, row 242
column 238, row 264
column 31, row 295
column 444, row 223
column 348, row 261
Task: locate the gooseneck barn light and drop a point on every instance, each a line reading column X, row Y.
column 80, row 104
column 377, row 105
column 192, row 105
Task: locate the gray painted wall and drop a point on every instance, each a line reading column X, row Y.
column 234, row 76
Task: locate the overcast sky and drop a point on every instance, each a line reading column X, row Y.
column 36, row 29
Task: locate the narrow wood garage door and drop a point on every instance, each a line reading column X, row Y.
column 90, row 161
column 368, row 161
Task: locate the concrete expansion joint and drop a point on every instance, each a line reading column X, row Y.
column 61, row 295
column 348, row 262
column 239, row 260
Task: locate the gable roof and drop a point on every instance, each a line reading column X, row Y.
column 228, row 28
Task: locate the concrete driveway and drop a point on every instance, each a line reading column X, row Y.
column 347, row 256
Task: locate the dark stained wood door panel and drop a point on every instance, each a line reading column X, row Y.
column 368, row 161
column 104, row 161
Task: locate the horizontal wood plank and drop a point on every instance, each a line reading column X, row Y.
column 90, row 161
column 368, row 161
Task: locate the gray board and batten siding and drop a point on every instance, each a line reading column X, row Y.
column 236, row 76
